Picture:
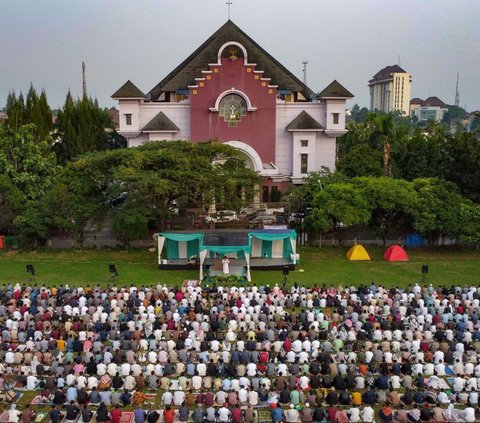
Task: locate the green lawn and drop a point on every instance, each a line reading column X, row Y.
column 319, row 265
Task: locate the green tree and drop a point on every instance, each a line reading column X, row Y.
column 361, row 160
column 460, row 163
column 159, row 174
column 15, row 109
column 31, row 226
column 392, row 203
column 75, row 203
column 81, row 127
column 40, row 114
column 27, row 161
column 418, row 156
column 130, row 223
column 34, row 109
column 437, row 209
column 10, row 203
column 359, row 114
column 299, row 198
column 358, row 134
column 470, row 217
column 115, row 140
column 336, row 206
column 455, row 113
column 383, row 131
column 475, row 123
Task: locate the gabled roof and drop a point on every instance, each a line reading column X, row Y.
column 435, row 102
column 128, row 90
column 388, row 70
column 161, row 123
column 185, row 73
column 416, row 100
column 304, row 121
column 335, row 89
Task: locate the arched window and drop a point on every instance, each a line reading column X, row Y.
column 232, row 107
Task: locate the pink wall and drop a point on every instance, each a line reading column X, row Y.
column 257, row 128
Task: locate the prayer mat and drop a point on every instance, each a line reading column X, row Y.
column 40, row 417
column 127, row 417
column 4, row 417
column 342, row 416
column 442, row 384
column 457, row 416
column 150, row 397
column 449, row 370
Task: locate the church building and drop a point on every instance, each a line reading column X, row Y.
column 232, row 90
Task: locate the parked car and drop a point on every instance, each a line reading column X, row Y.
column 222, row 216
column 266, row 219
column 260, row 209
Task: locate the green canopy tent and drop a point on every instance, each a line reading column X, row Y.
column 179, row 246
column 268, row 243
column 223, row 250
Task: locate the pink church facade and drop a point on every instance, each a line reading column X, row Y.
column 231, row 90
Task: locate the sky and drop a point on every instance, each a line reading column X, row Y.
column 44, row 42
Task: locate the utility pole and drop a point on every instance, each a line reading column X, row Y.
column 457, row 94
column 84, row 80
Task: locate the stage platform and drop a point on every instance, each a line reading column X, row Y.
column 255, row 264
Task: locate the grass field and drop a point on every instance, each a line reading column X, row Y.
column 319, row 265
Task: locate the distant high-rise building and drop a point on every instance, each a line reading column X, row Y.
column 431, row 108
column 390, row 90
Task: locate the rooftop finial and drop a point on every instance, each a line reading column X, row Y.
column 229, row 3
column 305, row 63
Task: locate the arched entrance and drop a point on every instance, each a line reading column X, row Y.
column 252, row 159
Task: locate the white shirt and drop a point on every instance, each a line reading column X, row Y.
column 102, row 369
column 469, row 414
column 178, row 397
column 223, row 414
column 395, row 381
column 368, row 414
column 10, row 358
column 81, row 382
column 196, row 382
column 253, row 398
column 13, row 415
column 354, row 414
column 243, row 395
column 92, row 382
column 111, row 369
column 31, row 382
column 167, row 398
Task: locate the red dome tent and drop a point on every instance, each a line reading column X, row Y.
column 395, row 253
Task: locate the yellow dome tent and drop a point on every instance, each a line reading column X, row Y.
column 358, row 253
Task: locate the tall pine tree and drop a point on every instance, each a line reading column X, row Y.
column 81, row 127
column 34, row 109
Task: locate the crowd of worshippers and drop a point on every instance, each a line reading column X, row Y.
column 217, row 353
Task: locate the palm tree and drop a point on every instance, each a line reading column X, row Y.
column 383, row 131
